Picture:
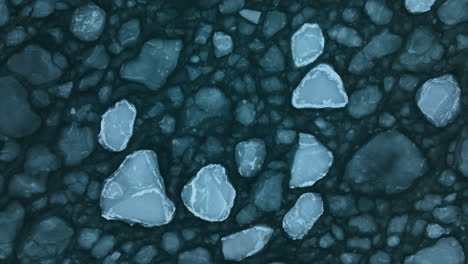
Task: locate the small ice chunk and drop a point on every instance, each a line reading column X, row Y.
column 4, row 13
column 250, row 155
column 311, row 162
column 223, row 44
column 364, row 102
column 245, row 112
column 117, row 126
column 157, row 60
column 251, row 15
column 445, row 250
column 230, row 6
column 274, row 22
column 246, row 243
column 345, row 36
column 439, row 100
column 11, row 221
column 76, row 143
column 302, row 216
column 322, row 87
column 452, row 12
column 171, row 242
column 268, row 191
column 36, row 64
column 198, row 255
column 307, row 44
column 87, row 22
column 23, row 121
column 418, row 6
column 46, row 241
column 209, row 195
column 378, row 12
column 135, row 193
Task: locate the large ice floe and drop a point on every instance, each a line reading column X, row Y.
column 117, row 126
column 307, row 44
column 135, row 193
column 439, row 100
column 246, row 243
column 209, row 195
column 311, row 162
column 302, row 216
column 389, row 163
column 322, row 87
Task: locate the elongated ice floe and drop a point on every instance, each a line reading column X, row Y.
column 246, row 243
column 209, row 195
column 301, row 218
column 117, row 126
column 135, row 193
column 321, row 87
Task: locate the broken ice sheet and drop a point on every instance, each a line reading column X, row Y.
column 246, row 243
column 135, row 193
column 301, row 218
column 209, row 195
column 117, row 126
column 307, row 44
column 439, row 100
column 322, row 87
column 311, row 162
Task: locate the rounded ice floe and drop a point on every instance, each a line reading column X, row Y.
column 117, row 126
column 87, row 22
column 307, row 44
column 322, row 87
column 418, row 6
column 135, row 193
column 209, row 195
column 246, row 243
column 439, row 100
column 311, row 162
column 301, row 218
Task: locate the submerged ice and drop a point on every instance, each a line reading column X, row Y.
column 209, row 195
column 322, row 87
column 135, row 193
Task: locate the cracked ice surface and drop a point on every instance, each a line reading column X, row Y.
column 135, row 193
column 439, row 100
column 209, row 195
column 246, row 243
column 322, row 87
column 302, row 216
column 311, row 162
column 418, row 6
column 307, row 44
column 117, row 126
